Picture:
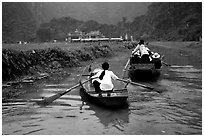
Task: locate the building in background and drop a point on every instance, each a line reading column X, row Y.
column 93, row 36
column 76, row 36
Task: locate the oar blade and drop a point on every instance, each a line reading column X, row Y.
column 134, row 83
column 166, row 64
column 125, row 74
column 125, row 70
column 144, row 86
column 49, row 100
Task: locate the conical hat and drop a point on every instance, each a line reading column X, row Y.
column 156, row 55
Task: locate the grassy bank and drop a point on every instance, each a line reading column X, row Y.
column 36, row 61
column 25, row 60
column 186, row 53
column 29, row 63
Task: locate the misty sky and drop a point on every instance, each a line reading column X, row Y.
column 102, row 12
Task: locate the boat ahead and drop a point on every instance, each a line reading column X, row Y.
column 114, row 99
column 144, row 71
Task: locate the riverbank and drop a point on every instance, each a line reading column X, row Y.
column 30, row 63
column 27, row 65
column 184, row 52
column 160, row 113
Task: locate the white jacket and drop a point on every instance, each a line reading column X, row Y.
column 106, row 82
column 143, row 50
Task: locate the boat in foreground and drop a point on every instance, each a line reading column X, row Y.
column 114, row 98
column 117, row 98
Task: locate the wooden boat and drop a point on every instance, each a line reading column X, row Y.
column 117, row 98
column 144, row 71
column 114, row 99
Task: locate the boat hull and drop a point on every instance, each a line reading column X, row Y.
column 143, row 71
column 114, row 100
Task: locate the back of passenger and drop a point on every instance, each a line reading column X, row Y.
column 104, row 81
column 144, row 52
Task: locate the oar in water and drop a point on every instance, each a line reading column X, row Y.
column 134, row 83
column 82, row 73
column 124, row 70
column 166, row 63
column 141, row 85
column 50, row 99
column 89, row 69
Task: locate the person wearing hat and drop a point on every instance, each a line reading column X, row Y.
column 156, row 55
column 103, row 79
column 156, row 60
column 144, row 51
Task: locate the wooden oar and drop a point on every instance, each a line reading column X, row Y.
column 50, row 99
column 89, row 69
column 82, row 74
column 124, row 70
column 134, row 83
column 166, row 63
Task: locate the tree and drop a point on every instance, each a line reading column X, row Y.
column 44, row 34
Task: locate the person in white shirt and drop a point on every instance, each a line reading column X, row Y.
column 102, row 81
column 144, row 51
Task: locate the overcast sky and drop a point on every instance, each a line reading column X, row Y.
column 103, row 12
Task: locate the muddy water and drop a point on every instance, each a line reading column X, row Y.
column 176, row 110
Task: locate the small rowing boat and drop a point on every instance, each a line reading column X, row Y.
column 114, row 98
column 144, row 71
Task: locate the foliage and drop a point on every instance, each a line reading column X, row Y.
column 177, row 20
column 163, row 21
column 18, row 23
column 44, row 34
column 17, row 63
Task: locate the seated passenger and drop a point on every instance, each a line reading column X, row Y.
column 103, row 79
column 144, row 52
column 157, row 61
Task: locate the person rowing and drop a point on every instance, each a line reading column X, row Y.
column 143, row 51
column 102, row 80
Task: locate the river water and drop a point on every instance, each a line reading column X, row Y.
column 176, row 110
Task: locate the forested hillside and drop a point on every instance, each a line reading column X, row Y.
column 18, row 22
column 163, row 21
column 172, row 21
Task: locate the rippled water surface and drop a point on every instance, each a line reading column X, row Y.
column 177, row 109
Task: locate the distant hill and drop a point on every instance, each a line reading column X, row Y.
column 162, row 21
column 18, row 22
column 102, row 12
column 170, row 21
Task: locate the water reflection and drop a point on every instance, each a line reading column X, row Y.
column 177, row 110
column 182, row 104
column 109, row 117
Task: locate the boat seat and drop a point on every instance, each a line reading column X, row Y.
column 107, row 91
